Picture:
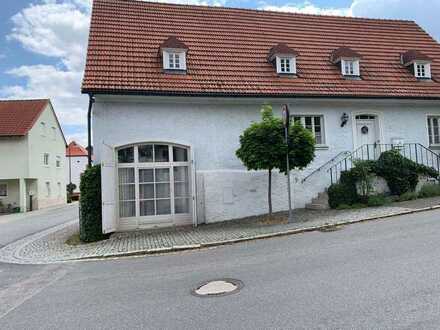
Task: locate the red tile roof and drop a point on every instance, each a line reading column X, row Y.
column 75, row 150
column 17, row 117
column 173, row 42
column 228, row 52
column 343, row 52
column 413, row 55
column 281, row 49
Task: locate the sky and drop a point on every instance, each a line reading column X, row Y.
column 43, row 43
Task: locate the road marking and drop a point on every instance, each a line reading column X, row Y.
column 15, row 295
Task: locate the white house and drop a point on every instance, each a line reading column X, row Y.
column 32, row 147
column 172, row 90
column 76, row 163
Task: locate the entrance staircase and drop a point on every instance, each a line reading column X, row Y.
column 345, row 160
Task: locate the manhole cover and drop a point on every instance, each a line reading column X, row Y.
column 216, row 288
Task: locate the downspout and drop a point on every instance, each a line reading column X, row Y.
column 89, row 130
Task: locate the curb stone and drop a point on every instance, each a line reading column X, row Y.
column 178, row 248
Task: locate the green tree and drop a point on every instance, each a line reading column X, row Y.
column 262, row 147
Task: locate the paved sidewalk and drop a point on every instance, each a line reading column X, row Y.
column 49, row 246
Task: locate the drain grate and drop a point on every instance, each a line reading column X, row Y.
column 330, row 228
column 218, row 288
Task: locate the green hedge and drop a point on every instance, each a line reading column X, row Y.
column 90, row 223
column 400, row 173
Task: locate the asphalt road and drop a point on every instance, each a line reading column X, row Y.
column 16, row 226
column 375, row 275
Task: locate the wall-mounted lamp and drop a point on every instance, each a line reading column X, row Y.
column 344, row 119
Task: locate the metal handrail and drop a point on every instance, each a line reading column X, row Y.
column 324, row 165
column 413, row 151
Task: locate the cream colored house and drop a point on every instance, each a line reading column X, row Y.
column 32, row 156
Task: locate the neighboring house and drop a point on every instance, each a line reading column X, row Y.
column 32, row 148
column 174, row 86
column 76, row 163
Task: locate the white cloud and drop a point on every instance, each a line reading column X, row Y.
column 308, row 7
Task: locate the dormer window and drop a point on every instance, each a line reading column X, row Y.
column 349, row 61
column 350, row 67
column 173, row 52
column 419, row 63
column 422, row 70
column 283, row 58
column 286, row 65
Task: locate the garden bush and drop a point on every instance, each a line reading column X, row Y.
column 344, row 192
column 90, row 223
column 378, row 200
column 429, row 190
column 408, row 196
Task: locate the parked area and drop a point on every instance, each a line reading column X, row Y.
column 61, row 243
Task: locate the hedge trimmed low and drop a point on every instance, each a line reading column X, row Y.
column 90, row 223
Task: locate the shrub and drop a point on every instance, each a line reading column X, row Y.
column 378, row 200
column 408, row 196
column 344, row 192
column 429, row 190
column 90, row 224
column 363, row 173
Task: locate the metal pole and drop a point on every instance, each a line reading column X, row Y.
column 286, row 135
column 89, row 130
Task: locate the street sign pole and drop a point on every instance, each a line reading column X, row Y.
column 286, row 123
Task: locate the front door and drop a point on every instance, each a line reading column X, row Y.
column 366, row 130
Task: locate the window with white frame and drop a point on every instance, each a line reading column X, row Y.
column 153, row 180
column 59, row 189
column 48, row 192
column 174, row 60
column 286, row 65
column 43, row 128
column 54, row 133
column 314, row 124
column 58, row 162
column 350, row 67
column 434, row 130
column 422, row 70
column 46, row 159
column 3, row 190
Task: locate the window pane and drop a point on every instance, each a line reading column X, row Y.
column 126, row 175
column 430, row 130
column 181, row 189
column 162, row 174
column 127, row 209
column 180, row 154
column 180, row 173
column 126, row 192
column 162, row 190
column 146, row 175
column 181, row 205
column 146, row 191
column 308, row 121
column 126, row 155
column 146, row 208
column 435, row 126
column 163, row 206
column 145, row 153
column 161, row 153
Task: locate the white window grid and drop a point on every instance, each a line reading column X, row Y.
column 434, row 130
column 286, row 65
column 174, row 61
column 46, row 158
column 422, row 70
column 3, row 190
column 350, row 67
column 48, row 192
column 58, row 162
column 315, row 124
column 171, row 164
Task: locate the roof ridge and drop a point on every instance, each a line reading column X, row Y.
column 25, row 100
column 257, row 10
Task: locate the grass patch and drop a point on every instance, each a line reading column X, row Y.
column 74, row 240
column 429, row 190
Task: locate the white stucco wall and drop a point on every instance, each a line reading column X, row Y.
column 55, row 146
column 13, row 151
column 213, row 126
column 75, row 169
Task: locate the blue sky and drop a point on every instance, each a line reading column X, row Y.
column 43, row 43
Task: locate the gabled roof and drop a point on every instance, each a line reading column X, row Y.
column 343, row 52
column 229, row 47
column 75, row 150
column 414, row 55
column 17, row 117
column 173, row 42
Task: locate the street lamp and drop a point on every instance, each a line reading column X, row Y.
column 286, row 123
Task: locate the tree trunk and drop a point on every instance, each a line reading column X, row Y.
column 269, row 193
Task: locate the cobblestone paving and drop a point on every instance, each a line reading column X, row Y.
column 49, row 246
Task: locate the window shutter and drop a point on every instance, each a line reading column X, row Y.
column 182, row 56
column 193, row 189
column 108, row 186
